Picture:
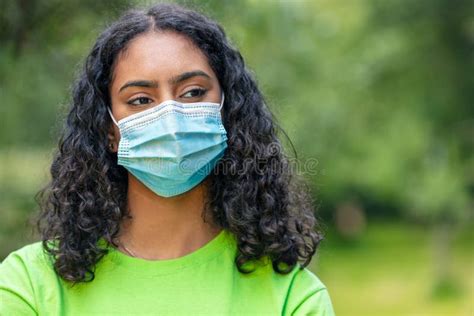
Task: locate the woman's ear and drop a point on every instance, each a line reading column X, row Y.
column 112, row 138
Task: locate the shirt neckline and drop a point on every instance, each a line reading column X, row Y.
column 222, row 241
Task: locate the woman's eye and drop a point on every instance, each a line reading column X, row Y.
column 140, row 101
column 194, row 93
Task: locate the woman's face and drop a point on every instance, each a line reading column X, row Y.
column 155, row 67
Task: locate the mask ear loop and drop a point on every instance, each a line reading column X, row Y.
column 222, row 100
column 111, row 116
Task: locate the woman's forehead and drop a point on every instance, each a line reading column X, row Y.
column 159, row 56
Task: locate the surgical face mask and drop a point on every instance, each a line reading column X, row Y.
column 172, row 146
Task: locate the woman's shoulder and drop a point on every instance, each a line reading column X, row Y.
column 25, row 263
column 29, row 255
column 18, row 272
column 304, row 292
column 307, row 294
column 304, row 278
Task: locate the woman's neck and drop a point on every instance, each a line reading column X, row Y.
column 165, row 228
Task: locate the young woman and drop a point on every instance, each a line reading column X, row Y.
column 170, row 194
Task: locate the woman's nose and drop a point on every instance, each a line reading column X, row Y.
column 166, row 94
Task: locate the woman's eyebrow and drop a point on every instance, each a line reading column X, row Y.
column 140, row 83
column 187, row 75
column 173, row 80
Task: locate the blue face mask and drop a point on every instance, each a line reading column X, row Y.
column 172, row 146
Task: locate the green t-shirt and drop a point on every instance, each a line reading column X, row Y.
column 203, row 282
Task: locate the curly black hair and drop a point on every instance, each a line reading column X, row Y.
column 254, row 194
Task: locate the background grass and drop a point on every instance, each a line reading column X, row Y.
column 390, row 271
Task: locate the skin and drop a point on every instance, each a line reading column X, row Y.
column 161, row 228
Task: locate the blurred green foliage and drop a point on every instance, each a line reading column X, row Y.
column 379, row 92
